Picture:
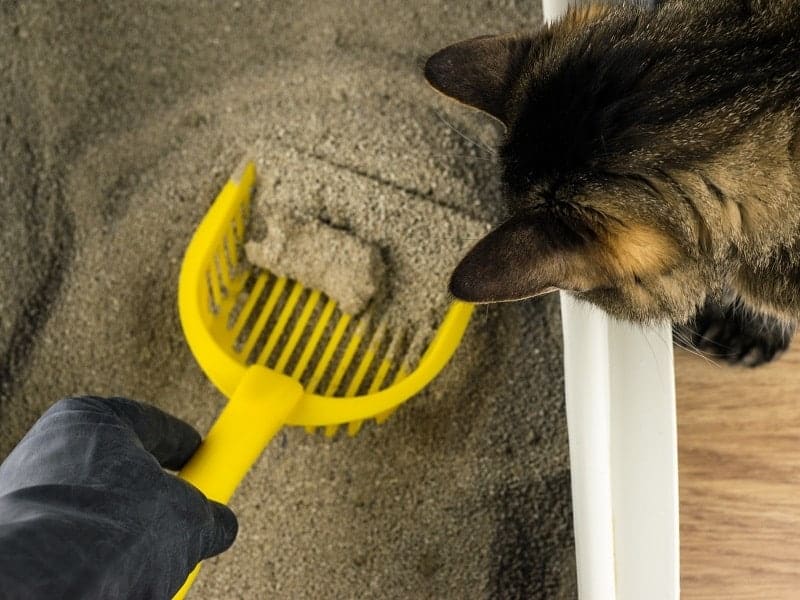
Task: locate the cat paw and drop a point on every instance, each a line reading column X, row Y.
column 735, row 335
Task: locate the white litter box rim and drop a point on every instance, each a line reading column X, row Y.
column 620, row 403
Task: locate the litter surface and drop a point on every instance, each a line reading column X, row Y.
column 120, row 124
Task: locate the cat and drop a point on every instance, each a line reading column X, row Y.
column 651, row 166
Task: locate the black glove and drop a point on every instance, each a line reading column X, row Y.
column 86, row 510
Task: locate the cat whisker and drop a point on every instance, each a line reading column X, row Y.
column 655, row 357
column 691, row 350
column 483, row 158
column 704, row 338
column 448, row 155
column 682, row 341
column 476, row 143
column 470, row 156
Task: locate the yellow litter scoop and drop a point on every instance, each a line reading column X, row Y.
column 284, row 354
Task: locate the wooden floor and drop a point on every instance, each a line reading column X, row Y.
column 739, row 457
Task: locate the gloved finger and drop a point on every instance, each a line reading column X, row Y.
column 171, row 441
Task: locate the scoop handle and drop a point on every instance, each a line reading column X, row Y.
column 259, row 407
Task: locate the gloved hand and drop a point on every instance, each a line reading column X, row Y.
column 86, row 510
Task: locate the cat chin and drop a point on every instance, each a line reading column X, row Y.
column 625, row 307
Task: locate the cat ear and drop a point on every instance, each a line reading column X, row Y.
column 527, row 257
column 479, row 72
column 534, row 254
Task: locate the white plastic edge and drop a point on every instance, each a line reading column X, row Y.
column 620, row 401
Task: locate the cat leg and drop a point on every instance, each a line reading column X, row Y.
column 735, row 333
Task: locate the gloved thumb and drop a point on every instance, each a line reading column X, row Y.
column 220, row 531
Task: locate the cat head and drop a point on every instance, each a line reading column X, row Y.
column 592, row 210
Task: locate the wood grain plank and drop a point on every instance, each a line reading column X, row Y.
column 739, row 457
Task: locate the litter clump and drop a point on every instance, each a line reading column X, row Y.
column 391, row 251
column 351, row 272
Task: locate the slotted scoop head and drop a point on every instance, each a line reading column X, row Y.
column 284, row 354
